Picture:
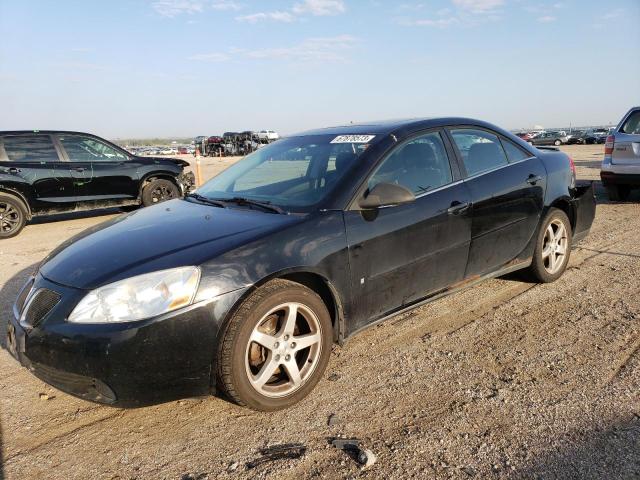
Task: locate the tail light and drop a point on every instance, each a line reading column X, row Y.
column 608, row 146
column 572, row 166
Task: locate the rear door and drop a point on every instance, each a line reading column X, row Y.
column 626, row 149
column 400, row 254
column 34, row 160
column 507, row 190
column 100, row 171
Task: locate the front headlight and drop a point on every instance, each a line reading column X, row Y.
column 140, row 297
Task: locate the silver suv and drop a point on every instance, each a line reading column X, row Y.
column 620, row 170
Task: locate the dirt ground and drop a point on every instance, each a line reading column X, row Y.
column 507, row 379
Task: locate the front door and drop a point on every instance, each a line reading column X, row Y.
column 507, row 189
column 400, row 254
column 100, row 171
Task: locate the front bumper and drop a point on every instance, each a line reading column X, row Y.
column 129, row 364
column 187, row 182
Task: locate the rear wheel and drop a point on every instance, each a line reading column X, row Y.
column 275, row 347
column 159, row 190
column 557, row 143
column 553, row 247
column 617, row 193
column 13, row 216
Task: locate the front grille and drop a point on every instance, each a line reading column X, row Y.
column 22, row 296
column 39, row 306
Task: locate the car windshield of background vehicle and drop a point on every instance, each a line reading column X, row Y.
column 88, row 149
column 297, row 172
column 29, row 148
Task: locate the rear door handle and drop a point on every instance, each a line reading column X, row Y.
column 533, row 179
column 14, row 170
column 79, row 169
column 457, row 208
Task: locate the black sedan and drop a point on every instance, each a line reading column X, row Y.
column 244, row 285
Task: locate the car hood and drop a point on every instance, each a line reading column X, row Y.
column 172, row 234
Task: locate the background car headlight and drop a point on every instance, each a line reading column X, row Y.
column 140, row 297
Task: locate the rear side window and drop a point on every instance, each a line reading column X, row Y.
column 29, row 148
column 514, row 153
column 632, row 125
column 480, row 150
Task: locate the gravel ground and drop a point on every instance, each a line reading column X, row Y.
column 507, row 379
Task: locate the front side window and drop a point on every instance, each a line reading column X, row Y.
column 480, row 150
column 89, row 149
column 632, row 125
column 293, row 173
column 29, row 148
column 420, row 165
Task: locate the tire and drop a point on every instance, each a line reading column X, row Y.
column 557, row 143
column 13, row 216
column 158, row 191
column 260, row 377
column 542, row 270
column 618, row 193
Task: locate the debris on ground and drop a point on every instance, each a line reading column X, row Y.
column 278, row 452
column 333, row 420
column 352, row 447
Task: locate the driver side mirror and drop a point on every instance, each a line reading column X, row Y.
column 386, row 195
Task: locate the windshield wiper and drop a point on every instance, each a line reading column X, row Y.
column 207, row 200
column 247, row 201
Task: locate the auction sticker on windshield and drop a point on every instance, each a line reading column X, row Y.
column 353, row 139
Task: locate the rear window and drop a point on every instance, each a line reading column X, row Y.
column 29, row 148
column 632, row 125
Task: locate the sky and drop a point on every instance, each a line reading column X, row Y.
column 181, row 68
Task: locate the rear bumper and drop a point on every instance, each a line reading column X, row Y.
column 125, row 365
column 584, row 204
column 614, row 178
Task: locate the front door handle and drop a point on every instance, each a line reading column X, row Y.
column 533, row 179
column 14, row 170
column 457, row 207
column 79, row 169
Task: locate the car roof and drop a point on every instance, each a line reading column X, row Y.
column 44, row 132
column 392, row 126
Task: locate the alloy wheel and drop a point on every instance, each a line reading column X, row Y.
column 554, row 246
column 162, row 193
column 10, row 218
column 283, row 350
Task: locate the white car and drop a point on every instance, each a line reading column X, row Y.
column 268, row 135
column 620, row 171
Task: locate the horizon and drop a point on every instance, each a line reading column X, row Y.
column 182, row 68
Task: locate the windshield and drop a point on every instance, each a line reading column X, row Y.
column 295, row 173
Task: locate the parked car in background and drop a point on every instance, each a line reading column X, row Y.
column 620, row 171
column 47, row 172
column 269, row 135
column 525, row 136
column 576, row 137
column 245, row 285
column 549, row 138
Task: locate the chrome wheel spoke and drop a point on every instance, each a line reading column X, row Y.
column 552, row 262
column 562, row 249
column 267, row 341
column 290, row 321
column 293, row 372
column 265, row 373
column 306, row 341
column 547, row 251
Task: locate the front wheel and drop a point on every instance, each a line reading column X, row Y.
column 557, row 143
column 13, row 216
column 159, row 190
column 275, row 347
column 553, row 247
